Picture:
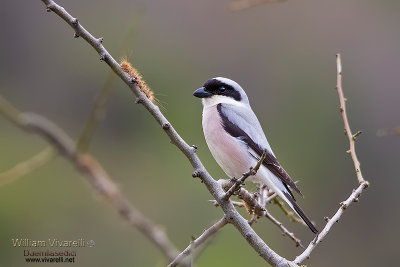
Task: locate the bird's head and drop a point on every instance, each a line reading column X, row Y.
column 221, row 90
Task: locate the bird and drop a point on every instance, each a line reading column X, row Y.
column 237, row 141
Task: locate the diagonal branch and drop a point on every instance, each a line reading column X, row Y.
column 239, row 182
column 352, row 137
column 263, row 200
column 27, row 166
column 213, row 187
column 290, row 214
column 257, row 207
column 97, row 114
column 198, row 241
column 93, row 172
column 363, row 184
column 318, row 239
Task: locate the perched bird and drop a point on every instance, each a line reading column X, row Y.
column 237, row 141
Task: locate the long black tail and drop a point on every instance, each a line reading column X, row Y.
column 300, row 212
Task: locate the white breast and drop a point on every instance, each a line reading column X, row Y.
column 230, row 153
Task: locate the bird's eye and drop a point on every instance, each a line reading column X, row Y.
column 222, row 89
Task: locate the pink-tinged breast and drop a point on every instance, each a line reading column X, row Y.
column 230, row 153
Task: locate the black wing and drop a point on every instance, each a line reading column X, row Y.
column 270, row 161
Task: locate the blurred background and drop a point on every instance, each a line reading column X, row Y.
column 283, row 54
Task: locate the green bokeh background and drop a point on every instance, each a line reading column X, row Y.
column 283, row 54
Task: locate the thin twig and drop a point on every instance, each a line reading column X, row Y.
column 198, row 241
column 290, row 214
column 318, row 239
column 271, row 197
column 262, row 201
column 284, row 230
column 10, row 112
column 257, row 207
column 99, row 107
column 232, row 215
column 347, row 130
column 94, row 174
column 27, row 166
column 239, row 182
column 235, row 203
column 96, row 114
column 363, row 184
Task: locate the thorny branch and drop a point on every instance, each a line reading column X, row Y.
column 27, row 166
column 232, row 216
column 290, row 214
column 263, row 199
column 92, row 171
column 198, row 241
column 363, row 184
column 352, row 137
column 97, row 113
column 237, row 183
column 257, row 207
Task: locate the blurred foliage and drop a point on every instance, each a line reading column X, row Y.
column 283, row 54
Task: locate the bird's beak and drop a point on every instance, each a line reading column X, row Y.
column 202, row 93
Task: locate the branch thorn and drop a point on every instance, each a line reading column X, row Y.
column 166, row 126
column 356, row 134
column 196, row 174
column 75, row 22
column 133, row 80
column 139, row 100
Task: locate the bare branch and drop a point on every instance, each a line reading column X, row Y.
column 263, row 200
column 96, row 114
column 318, row 239
column 10, row 112
column 239, row 182
column 292, row 216
column 198, row 241
column 284, row 230
column 363, row 184
column 235, row 203
column 27, row 166
column 258, row 208
column 94, row 174
column 347, row 130
column 232, row 216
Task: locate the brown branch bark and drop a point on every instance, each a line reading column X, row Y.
column 258, row 208
column 27, row 166
column 352, row 137
column 198, row 241
column 363, row 184
column 92, row 171
column 232, row 216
